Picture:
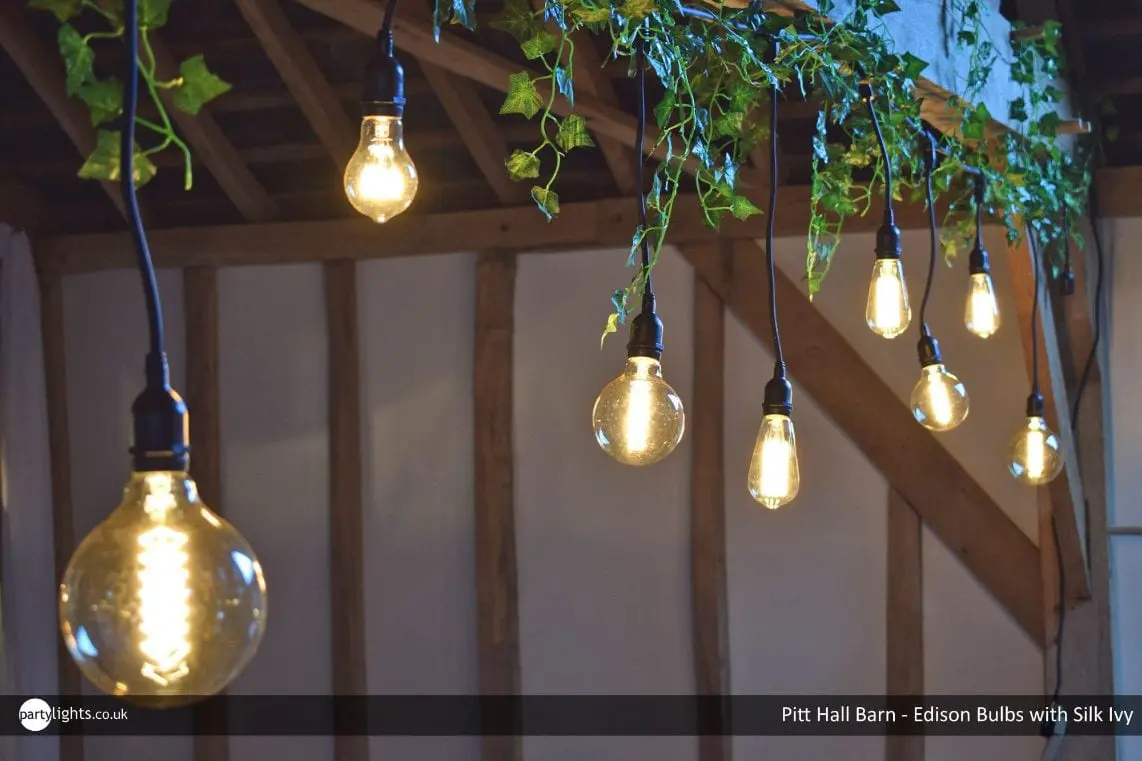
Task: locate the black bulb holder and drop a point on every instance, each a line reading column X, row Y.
column 646, row 331
column 1067, row 282
column 383, row 93
column 888, row 245
column 978, row 261
column 1035, row 404
column 161, row 423
column 928, row 349
column 778, row 398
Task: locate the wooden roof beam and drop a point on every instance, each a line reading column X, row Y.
column 43, row 70
column 318, row 101
column 476, row 128
column 917, row 466
column 217, row 153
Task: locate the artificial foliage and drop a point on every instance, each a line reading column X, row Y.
column 86, row 24
column 715, row 65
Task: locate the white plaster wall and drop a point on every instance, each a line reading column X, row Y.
column 603, row 550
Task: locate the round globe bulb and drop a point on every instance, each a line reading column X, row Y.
column 164, row 602
column 887, row 311
column 981, row 315
column 1034, row 455
column 774, row 475
column 638, row 418
column 939, row 399
column 380, row 178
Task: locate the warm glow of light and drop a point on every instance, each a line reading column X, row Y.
column 638, row 418
column 1036, row 461
column 982, row 313
column 164, row 609
column 640, row 406
column 775, row 454
column 380, row 178
column 774, row 474
column 887, row 311
column 940, row 402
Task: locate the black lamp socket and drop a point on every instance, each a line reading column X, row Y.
column 928, row 349
column 646, row 332
column 778, row 397
column 888, row 244
column 162, row 430
column 978, row 262
column 1067, row 282
column 383, row 93
column 1035, row 405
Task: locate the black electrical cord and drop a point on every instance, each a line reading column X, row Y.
column 770, row 225
column 929, row 169
column 979, row 190
column 883, row 152
column 1092, row 356
column 640, row 160
column 390, row 14
column 1034, row 317
column 157, row 376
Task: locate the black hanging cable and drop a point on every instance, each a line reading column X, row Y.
column 383, row 77
column 156, row 359
column 1035, row 324
column 1092, row 356
column 888, row 213
column 979, row 189
column 390, row 13
column 1067, row 279
column 778, row 398
column 161, row 424
column 646, row 328
column 929, row 169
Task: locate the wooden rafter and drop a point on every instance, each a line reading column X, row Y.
column 302, row 76
column 926, row 475
column 44, row 72
column 579, row 225
column 482, row 138
column 216, row 152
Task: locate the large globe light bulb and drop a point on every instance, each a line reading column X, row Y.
column 638, row 418
column 1034, row 453
column 774, row 475
column 887, row 311
column 164, row 601
column 380, row 178
column 939, row 399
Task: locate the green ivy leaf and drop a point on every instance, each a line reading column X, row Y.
column 522, row 164
column 539, row 44
column 517, row 19
column 78, row 58
column 573, row 133
column 198, row 86
column 975, row 122
column 884, row 7
column 104, row 98
column 589, row 15
column 612, row 326
column 103, row 163
column 63, row 10
column 522, row 98
column 913, row 66
column 664, row 108
column 1017, row 111
column 153, row 13
column 637, row 10
column 564, row 83
column 742, row 208
column 729, row 124
column 548, row 201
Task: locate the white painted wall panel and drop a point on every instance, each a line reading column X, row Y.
column 105, row 335
column 603, row 548
column 993, row 370
column 806, row 582
column 1126, row 559
column 973, row 647
column 417, row 438
column 275, row 478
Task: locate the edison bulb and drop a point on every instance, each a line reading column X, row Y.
column 1034, row 453
column 981, row 316
column 939, row 399
column 164, row 601
column 638, row 418
column 774, row 476
column 888, row 312
column 380, row 179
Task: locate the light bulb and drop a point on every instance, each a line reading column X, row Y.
column 981, row 316
column 638, row 418
column 939, row 399
column 380, row 179
column 164, row 601
column 774, row 476
column 1034, row 455
column 887, row 311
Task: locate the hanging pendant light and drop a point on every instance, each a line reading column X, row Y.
column 774, row 471
column 887, row 310
column 981, row 313
column 164, row 601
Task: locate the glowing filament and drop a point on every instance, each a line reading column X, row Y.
column 775, row 456
column 164, row 604
column 640, row 407
column 1036, row 464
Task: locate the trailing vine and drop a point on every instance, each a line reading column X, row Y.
column 192, row 88
column 715, row 72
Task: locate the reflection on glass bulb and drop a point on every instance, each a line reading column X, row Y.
column 887, row 311
column 638, row 419
column 380, row 179
column 164, row 601
column 982, row 313
column 774, row 476
column 939, row 399
column 1034, row 454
